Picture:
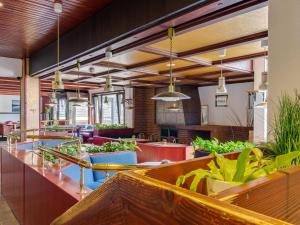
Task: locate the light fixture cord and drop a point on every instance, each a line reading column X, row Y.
column 58, row 42
column 78, row 68
column 265, row 59
column 108, row 66
column 221, row 67
column 171, row 58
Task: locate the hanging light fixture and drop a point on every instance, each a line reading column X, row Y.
column 108, row 84
column 53, row 100
column 264, row 75
column 221, row 89
column 171, row 95
column 57, row 83
column 78, row 99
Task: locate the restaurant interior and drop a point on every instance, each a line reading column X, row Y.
column 149, row 112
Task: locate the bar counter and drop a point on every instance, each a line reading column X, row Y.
column 36, row 194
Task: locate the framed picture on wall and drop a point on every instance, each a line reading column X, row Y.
column 204, row 114
column 15, row 106
column 221, row 100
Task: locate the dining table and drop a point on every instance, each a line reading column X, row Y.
column 159, row 151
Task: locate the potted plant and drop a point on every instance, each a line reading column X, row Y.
column 224, row 173
column 205, row 147
column 112, row 147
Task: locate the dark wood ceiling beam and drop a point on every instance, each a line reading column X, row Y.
column 225, row 44
column 241, row 58
column 79, row 73
column 228, row 82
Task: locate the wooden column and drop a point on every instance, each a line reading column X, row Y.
column 30, row 104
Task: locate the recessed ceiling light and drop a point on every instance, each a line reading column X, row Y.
column 172, row 65
column 1, row 4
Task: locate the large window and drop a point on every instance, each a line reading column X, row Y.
column 109, row 108
column 78, row 113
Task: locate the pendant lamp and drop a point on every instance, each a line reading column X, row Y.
column 53, row 100
column 171, row 95
column 108, row 84
column 221, row 89
column 57, row 83
column 78, row 99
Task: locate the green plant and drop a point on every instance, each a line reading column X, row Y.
column 286, row 129
column 245, row 168
column 112, row 147
column 109, row 126
column 71, row 150
column 214, row 146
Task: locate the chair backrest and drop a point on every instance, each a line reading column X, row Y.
column 125, row 158
column 172, row 139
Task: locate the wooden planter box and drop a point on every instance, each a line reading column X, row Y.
column 134, row 191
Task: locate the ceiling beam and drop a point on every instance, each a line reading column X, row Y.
column 225, row 44
column 228, row 82
column 241, row 58
column 192, row 18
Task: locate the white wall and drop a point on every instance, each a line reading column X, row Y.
column 6, row 107
column 237, row 104
column 10, row 67
column 284, row 51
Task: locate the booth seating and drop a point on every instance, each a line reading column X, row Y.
column 47, row 143
column 115, row 133
column 93, row 179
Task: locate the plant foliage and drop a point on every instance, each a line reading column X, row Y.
column 214, row 146
column 286, row 130
column 109, row 126
column 112, row 147
column 248, row 166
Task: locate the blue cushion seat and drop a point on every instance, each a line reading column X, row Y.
column 93, row 179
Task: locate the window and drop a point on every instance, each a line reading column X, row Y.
column 62, row 108
column 78, row 114
column 109, row 108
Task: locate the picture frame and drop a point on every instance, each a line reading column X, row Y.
column 15, row 106
column 221, row 101
column 204, row 114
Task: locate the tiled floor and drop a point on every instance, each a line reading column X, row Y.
column 6, row 216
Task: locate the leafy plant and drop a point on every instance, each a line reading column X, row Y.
column 109, row 126
column 112, row 147
column 286, row 130
column 214, row 146
column 71, row 150
column 247, row 167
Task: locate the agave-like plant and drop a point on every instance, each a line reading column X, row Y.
column 248, row 166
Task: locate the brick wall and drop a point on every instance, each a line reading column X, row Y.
column 144, row 111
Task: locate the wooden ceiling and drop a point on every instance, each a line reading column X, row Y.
column 196, row 56
column 28, row 25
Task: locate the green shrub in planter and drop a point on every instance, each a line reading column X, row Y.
column 248, row 166
column 112, row 147
column 214, row 146
column 109, row 126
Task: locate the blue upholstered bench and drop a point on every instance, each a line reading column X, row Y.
column 93, row 179
column 47, row 143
